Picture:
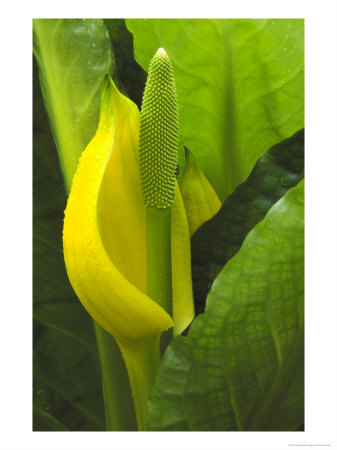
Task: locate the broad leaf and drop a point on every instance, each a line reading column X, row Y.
column 239, row 86
column 241, row 365
column 73, row 56
column 279, row 169
column 67, row 379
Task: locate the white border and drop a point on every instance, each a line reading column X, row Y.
column 321, row 226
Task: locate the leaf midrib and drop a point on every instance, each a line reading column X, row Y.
column 76, row 338
column 51, row 418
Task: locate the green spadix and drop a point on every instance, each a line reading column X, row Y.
column 158, row 142
column 158, row 159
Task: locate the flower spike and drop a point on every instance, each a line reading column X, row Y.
column 158, row 142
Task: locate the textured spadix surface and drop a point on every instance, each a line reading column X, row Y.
column 158, row 142
column 104, row 232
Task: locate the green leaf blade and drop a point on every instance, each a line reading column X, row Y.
column 239, row 87
column 73, row 56
column 268, row 65
column 241, row 365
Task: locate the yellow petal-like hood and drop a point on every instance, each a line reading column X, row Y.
column 104, row 232
column 104, row 228
column 183, row 306
column 200, row 199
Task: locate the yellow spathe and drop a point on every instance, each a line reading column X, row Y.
column 200, row 199
column 105, row 229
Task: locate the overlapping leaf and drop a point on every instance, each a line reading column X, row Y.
column 241, row 365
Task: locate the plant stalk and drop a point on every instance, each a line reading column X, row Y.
column 118, row 402
column 141, row 360
column 159, row 271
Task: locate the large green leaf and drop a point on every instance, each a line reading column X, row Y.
column 73, row 56
column 239, row 87
column 216, row 241
column 67, row 380
column 241, row 365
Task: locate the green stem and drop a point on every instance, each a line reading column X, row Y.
column 142, row 358
column 159, row 272
column 159, row 278
column 119, row 407
column 141, row 361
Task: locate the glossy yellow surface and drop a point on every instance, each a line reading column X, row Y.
column 200, row 199
column 105, row 228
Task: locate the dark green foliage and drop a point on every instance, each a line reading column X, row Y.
column 128, row 75
column 67, row 381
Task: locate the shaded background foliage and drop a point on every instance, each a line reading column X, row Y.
column 129, row 76
column 67, row 386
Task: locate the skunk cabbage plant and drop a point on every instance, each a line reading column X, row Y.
column 168, row 224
